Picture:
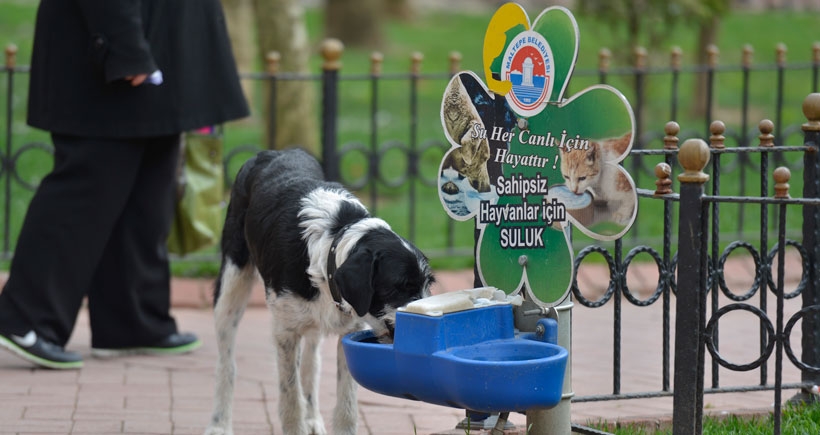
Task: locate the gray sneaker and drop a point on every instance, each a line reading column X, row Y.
column 39, row 351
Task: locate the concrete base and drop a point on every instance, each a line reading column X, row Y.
column 554, row 421
column 487, row 423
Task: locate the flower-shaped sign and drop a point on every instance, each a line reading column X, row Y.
column 525, row 162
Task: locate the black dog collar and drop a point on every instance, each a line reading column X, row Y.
column 331, row 266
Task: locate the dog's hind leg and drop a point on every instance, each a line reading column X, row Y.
column 233, row 289
column 311, row 371
column 345, row 415
column 288, row 361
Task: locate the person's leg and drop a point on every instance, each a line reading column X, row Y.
column 63, row 235
column 129, row 299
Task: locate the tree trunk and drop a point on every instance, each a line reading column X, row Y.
column 357, row 23
column 399, row 9
column 280, row 26
column 707, row 35
column 238, row 16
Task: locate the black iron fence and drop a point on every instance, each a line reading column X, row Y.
column 391, row 163
column 695, row 274
column 699, row 227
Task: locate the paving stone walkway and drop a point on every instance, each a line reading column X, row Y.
column 172, row 395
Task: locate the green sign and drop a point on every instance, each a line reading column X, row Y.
column 526, row 163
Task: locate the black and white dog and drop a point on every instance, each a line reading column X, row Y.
column 328, row 268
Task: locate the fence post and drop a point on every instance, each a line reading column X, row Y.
column 780, row 56
column 412, row 154
column 604, row 55
column 712, row 55
column 692, row 273
column 638, row 108
column 811, row 237
column 11, row 63
column 675, row 63
column 376, row 61
column 272, row 60
column 332, row 52
column 782, row 175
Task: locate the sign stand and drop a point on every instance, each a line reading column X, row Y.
column 528, row 165
column 556, row 420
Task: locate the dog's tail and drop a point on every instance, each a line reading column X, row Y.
column 235, row 251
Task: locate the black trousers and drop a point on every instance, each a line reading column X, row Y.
column 97, row 227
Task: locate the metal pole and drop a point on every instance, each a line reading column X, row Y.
column 413, row 155
column 670, row 142
column 272, row 65
column 766, row 141
column 781, row 188
column 687, row 413
column 11, row 63
column 332, row 52
column 811, row 236
column 376, row 60
column 716, row 141
column 557, row 420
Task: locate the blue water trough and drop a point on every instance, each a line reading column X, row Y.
column 465, row 358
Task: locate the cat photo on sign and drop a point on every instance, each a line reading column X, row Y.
column 595, row 174
column 461, row 119
column 468, row 111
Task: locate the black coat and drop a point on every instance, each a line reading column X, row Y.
column 83, row 50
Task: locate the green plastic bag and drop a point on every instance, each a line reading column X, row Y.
column 199, row 214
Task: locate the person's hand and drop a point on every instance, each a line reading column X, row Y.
column 137, row 79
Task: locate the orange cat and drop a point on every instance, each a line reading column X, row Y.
column 595, row 170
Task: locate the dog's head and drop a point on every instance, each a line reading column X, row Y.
column 383, row 272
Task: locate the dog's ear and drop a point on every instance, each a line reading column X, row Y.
column 354, row 280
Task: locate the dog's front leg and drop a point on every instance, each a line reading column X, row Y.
column 311, row 371
column 345, row 415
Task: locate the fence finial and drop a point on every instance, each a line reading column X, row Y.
column 11, row 56
column 717, row 128
column 663, row 184
column 677, row 54
column 748, row 53
column 640, row 58
column 693, row 156
column 455, row 62
column 272, row 62
column 712, row 53
column 766, row 128
column 782, row 175
column 781, row 54
column 332, row 52
column 415, row 62
column 604, row 55
column 376, row 60
column 811, row 109
column 670, row 141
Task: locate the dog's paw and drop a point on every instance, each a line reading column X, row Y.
column 212, row 430
column 315, row 426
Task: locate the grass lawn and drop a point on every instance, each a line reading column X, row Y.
column 796, row 419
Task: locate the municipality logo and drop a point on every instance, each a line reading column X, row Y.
column 528, row 66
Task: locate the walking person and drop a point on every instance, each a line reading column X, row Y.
column 115, row 82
